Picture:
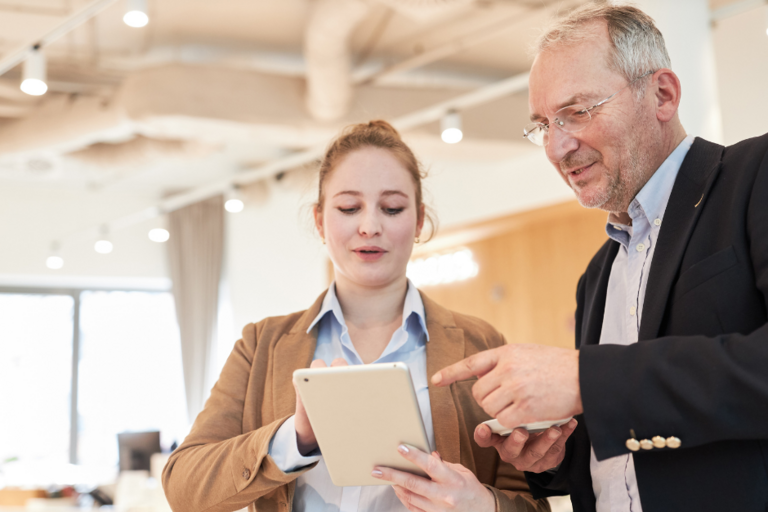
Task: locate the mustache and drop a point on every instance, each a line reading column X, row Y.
column 573, row 161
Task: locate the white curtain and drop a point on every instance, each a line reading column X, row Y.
column 195, row 256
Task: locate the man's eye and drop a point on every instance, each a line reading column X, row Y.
column 392, row 211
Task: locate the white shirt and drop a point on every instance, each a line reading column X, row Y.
column 314, row 489
column 613, row 480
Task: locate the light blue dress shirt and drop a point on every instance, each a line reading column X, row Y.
column 314, row 489
column 613, row 480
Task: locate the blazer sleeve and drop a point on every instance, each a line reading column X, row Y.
column 698, row 388
column 218, row 467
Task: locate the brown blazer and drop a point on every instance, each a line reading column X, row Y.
column 223, row 465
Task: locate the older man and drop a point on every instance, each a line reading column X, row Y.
column 669, row 386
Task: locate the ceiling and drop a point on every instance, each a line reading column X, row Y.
column 208, row 90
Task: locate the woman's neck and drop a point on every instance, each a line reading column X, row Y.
column 371, row 307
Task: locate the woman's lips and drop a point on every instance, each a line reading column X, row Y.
column 370, row 253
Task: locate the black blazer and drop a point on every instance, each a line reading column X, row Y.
column 699, row 371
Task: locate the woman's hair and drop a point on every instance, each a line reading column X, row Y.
column 375, row 134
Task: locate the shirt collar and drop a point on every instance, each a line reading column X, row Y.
column 651, row 201
column 413, row 306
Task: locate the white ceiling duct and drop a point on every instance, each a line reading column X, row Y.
column 326, row 47
column 326, row 50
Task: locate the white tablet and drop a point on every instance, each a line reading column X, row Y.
column 360, row 415
column 533, row 428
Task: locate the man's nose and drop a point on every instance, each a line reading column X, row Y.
column 560, row 143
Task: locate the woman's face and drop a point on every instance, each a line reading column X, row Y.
column 369, row 218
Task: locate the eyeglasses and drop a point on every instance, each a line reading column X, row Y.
column 570, row 119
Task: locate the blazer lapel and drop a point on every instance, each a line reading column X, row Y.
column 445, row 347
column 294, row 350
column 596, row 281
column 688, row 199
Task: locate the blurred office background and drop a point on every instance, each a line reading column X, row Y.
column 156, row 196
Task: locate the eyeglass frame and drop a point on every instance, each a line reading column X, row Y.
column 588, row 110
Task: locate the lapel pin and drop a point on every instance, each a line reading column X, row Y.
column 700, row 200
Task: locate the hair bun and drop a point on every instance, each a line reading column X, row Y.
column 380, row 124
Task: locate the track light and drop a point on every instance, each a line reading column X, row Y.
column 34, row 73
column 234, row 204
column 136, row 14
column 103, row 245
column 54, row 261
column 159, row 235
column 450, row 127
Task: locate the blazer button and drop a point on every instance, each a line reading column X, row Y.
column 633, row 444
column 659, row 442
column 673, row 442
column 246, row 474
column 646, row 444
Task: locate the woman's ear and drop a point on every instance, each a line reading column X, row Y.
column 420, row 221
column 318, row 215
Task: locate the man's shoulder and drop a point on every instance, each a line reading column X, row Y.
column 746, row 151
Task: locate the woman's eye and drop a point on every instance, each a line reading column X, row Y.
column 347, row 210
column 392, row 211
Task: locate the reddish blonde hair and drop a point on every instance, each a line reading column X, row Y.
column 376, row 134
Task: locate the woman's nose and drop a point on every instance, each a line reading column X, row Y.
column 370, row 224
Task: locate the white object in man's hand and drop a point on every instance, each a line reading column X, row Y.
column 534, row 452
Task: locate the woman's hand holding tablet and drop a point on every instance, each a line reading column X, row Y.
column 305, row 436
column 449, row 486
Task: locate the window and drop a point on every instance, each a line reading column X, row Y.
column 128, row 377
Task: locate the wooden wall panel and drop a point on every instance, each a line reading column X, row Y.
column 529, row 265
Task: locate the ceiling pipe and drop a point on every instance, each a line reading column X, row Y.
column 326, row 50
column 79, row 17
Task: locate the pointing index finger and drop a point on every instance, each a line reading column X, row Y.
column 476, row 365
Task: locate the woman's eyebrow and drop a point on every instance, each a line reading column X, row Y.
column 348, row 192
column 394, row 193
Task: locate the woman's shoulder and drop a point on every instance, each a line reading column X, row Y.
column 273, row 326
column 476, row 330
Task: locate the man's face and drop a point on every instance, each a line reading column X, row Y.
column 605, row 163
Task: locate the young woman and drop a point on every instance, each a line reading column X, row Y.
column 252, row 445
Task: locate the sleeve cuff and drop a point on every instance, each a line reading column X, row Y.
column 284, row 449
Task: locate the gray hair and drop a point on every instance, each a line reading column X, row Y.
column 637, row 46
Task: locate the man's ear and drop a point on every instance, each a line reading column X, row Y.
column 318, row 215
column 667, row 91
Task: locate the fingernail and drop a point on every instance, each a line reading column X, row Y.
column 519, row 436
column 437, row 454
column 482, row 432
column 376, row 473
column 403, row 449
column 554, row 433
column 436, row 378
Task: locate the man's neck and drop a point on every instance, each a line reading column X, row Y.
column 666, row 148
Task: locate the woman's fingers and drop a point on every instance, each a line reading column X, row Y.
column 413, row 501
column 318, row 363
column 339, row 361
column 430, row 464
column 413, row 483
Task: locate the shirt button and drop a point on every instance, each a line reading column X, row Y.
column 640, row 247
column 632, row 310
column 646, row 444
column 633, row 444
column 246, row 474
column 659, row 442
column 657, row 222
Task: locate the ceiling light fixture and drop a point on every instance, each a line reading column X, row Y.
column 54, row 261
column 136, row 14
column 103, row 245
column 34, row 73
column 159, row 235
column 234, row 204
column 450, row 127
